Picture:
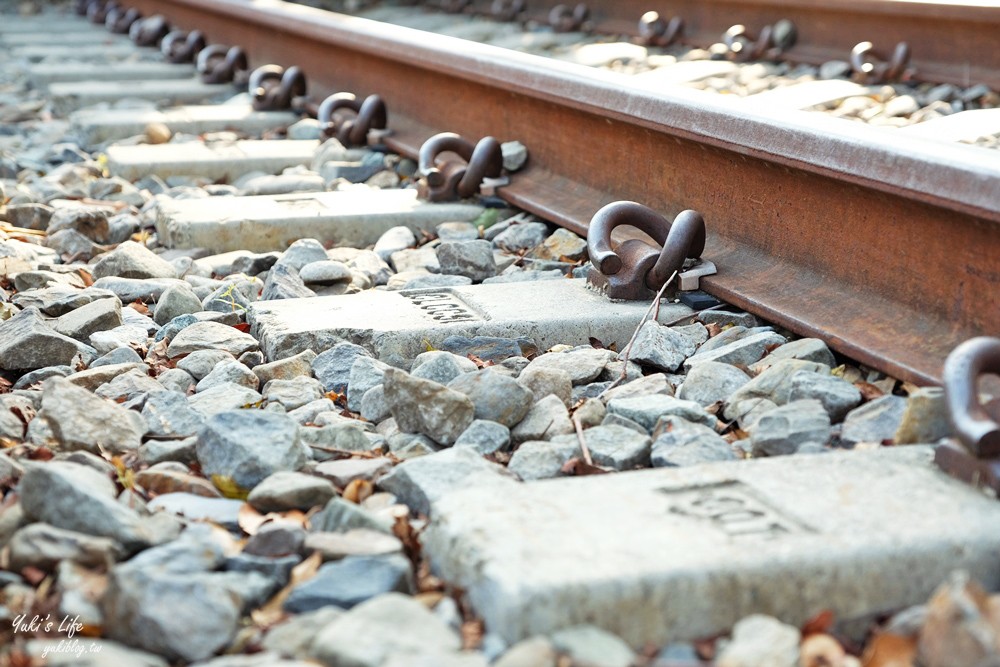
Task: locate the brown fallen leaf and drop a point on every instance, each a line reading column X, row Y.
column 86, row 277
column 139, row 307
column 358, row 490
column 885, row 650
column 249, row 519
column 273, row 611
column 579, row 468
column 869, row 392
column 713, row 329
column 472, row 634
column 820, row 623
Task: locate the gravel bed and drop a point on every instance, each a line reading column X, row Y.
column 170, row 495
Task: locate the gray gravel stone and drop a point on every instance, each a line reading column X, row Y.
column 283, row 282
column 351, row 581
column 223, row 398
column 394, row 240
column 726, row 318
column 807, row 349
column 355, row 542
column 485, row 437
column 441, row 367
column 616, row 447
column 393, row 624
column 582, row 364
column 655, row 383
column 496, row 397
column 925, row 419
column 420, row 281
column 81, row 420
column 647, row 410
column 130, row 389
column 783, row 430
column 286, row 490
column 373, row 405
column 366, row 372
column 27, row 343
column 660, row 347
column 488, row 348
column 126, row 335
column 541, row 459
column 345, row 436
column 761, row 640
column 176, row 300
column 293, row 393
column 472, row 259
column 523, row 236
column 343, row 471
column 43, row 546
column 874, row 421
column 545, row 419
column 133, row 260
column 333, row 367
column 683, row 443
column 711, row 381
column 589, row 645
column 226, row 298
column 229, row 370
column 837, row 395
column 340, row 516
column 78, row 498
column 421, row 481
column 276, row 539
column 457, row 231
column 287, row 368
column 534, row 652
column 250, row 445
column 741, row 352
column 176, row 379
column 121, row 355
column 211, row 336
column 201, row 362
column 96, row 316
column 167, row 413
column 326, row 272
column 422, row 406
column 544, row 382
column 308, row 413
column 415, row 259
column 773, row 384
column 302, row 252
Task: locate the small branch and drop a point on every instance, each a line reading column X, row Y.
column 583, row 441
column 628, row 348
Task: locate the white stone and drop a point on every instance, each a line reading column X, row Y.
column 964, row 126
column 74, row 95
column 400, row 325
column 218, row 160
column 805, row 95
column 682, row 72
column 355, row 217
column 678, row 554
column 43, row 74
column 96, row 126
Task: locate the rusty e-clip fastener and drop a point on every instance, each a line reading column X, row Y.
column 445, row 180
column 274, row 88
column 222, row 64
column 872, row 68
column 635, row 269
column 772, row 41
column 149, row 31
column 369, row 115
column 977, row 426
column 180, row 46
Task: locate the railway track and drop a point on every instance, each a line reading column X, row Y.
column 871, row 242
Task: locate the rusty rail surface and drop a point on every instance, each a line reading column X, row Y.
column 887, row 249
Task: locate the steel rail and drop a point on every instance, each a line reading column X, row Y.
column 887, row 249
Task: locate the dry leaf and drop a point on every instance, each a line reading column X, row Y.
column 88, row 280
column 139, row 307
column 408, row 536
column 228, row 487
column 580, row 468
column 820, row 623
column 358, row 490
column 869, row 392
column 472, row 634
column 713, row 329
column 885, row 650
column 273, row 611
column 249, row 519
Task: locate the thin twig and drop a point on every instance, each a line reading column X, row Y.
column 635, row 334
column 583, row 442
column 694, row 314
